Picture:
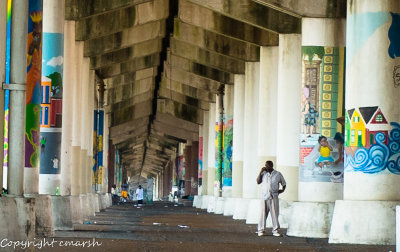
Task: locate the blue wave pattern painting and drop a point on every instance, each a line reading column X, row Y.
column 379, row 156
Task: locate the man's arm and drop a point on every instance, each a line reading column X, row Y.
column 283, row 183
column 259, row 178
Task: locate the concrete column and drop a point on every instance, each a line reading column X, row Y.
column 200, row 161
column 238, row 136
column 323, row 43
column 52, row 73
column 267, row 107
column 205, row 129
column 69, row 78
column 90, row 111
column 3, row 30
column 19, row 22
column 76, row 121
column 85, row 126
column 250, row 169
column 105, row 155
column 211, row 150
column 228, row 142
column 288, row 116
column 372, row 171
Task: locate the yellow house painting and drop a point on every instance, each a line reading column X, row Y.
column 357, row 129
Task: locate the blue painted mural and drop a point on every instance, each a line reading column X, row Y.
column 380, row 156
column 394, row 36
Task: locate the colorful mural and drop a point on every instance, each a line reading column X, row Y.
column 98, row 131
column 228, row 150
column 372, row 146
column 322, row 106
column 33, row 81
column 7, row 92
column 200, row 171
column 394, row 36
column 51, row 103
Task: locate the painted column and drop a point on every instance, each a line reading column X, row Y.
column 288, row 116
column 200, row 161
column 371, row 170
column 33, row 79
column 251, row 101
column 91, row 137
column 3, row 46
column 205, row 133
column 19, row 22
column 211, row 150
column 238, row 136
column 227, row 142
column 267, row 107
column 322, row 96
column 105, row 154
column 51, row 96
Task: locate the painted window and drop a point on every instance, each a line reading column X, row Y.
column 371, row 139
column 359, row 132
column 356, row 119
column 379, row 118
column 352, row 136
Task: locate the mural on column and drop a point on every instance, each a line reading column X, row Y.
column 372, row 145
column 227, row 149
column 322, row 110
column 51, row 103
column 33, row 79
column 98, row 129
column 7, row 80
column 200, row 175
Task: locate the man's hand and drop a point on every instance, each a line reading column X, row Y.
column 280, row 191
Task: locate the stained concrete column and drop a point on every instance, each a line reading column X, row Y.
column 76, row 186
column 85, row 126
column 288, row 116
column 323, row 44
column 69, row 78
column 105, row 154
column 238, row 136
column 205, row 134
column 211, row 150
column 52, row 74
column 3, row 30
column 250, row 169
column 372, row 171
column 90, row 111
column 228, row 142
column 267, row 107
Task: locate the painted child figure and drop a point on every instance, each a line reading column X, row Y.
column 324, row 149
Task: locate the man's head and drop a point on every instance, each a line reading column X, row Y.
column 140, row 186
column 269, row 165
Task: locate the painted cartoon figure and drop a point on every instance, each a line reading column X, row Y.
column 324, row 149
column 310, row 117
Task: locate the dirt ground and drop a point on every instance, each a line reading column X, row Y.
column 165, row 226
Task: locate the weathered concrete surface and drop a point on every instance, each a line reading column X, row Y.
column 17, row 217
column 310, row 219
column 44, row 216
column 165, row 227
column 364, row 222
column 61, row 212
column 180, row 110
column 203, row 17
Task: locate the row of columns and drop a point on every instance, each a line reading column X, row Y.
column 267, row 126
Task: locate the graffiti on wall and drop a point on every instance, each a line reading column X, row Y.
column 322, row 106
column 98, row 131
column 200, row 169
column 228, row 150
column 51, row 103
column 394, row 36
column 372, row 144
column 33, row 79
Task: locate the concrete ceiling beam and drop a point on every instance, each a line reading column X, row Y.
column 77, row 9
column 199, row 69
column 126, row 128
column 177, row 122
column 187, row 90
column 201, row 16
column 120, row 19
column 136, row 99
column 136, row 51
column 255, row 14
column 180, row 110
column 213, row 41
column 129, row 66
column 181, row 98
column 209, row 58
column 124, row 39
column 131, row 113
column 124, row 92
column 127, row 78
column 191, row 79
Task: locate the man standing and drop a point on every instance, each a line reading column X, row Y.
column 139, row 195
column 270, row 180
